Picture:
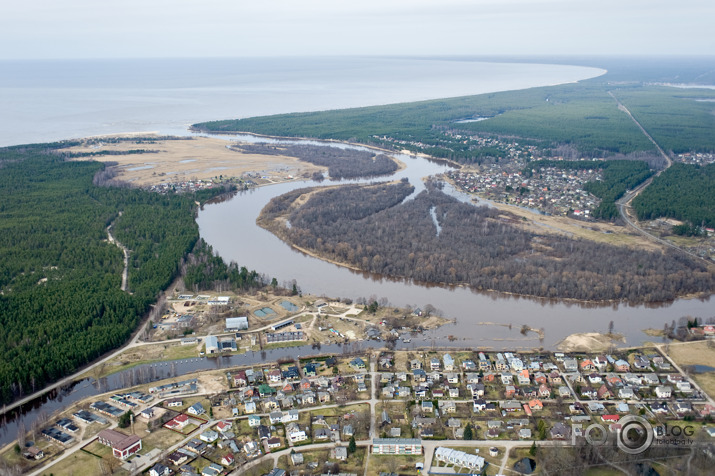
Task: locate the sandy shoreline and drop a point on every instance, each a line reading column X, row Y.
column 187, row 158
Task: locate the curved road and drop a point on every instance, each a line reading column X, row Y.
column 624, row 203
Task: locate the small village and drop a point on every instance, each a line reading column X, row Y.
column 449, row 411
column 549, row 190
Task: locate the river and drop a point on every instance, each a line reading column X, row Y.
column 51, row 100
column 483, row 319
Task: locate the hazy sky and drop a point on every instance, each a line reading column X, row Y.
column 199, row 28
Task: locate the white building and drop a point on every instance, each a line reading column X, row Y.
column 396, row 446
column 459, row 458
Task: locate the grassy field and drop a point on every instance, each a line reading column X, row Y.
column 145, row 354
column 696, row 353
column 403, row 465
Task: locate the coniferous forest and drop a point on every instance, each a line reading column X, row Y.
column 61, row 305
column 685, row 192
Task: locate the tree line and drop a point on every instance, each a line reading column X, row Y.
column 342, row 163
column 478, row 246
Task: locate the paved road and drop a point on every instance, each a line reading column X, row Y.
column 624, row 203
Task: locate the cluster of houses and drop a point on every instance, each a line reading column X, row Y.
column 502, row 386
column 181, row 187
column 550, row 190
column 498, row 393
column 697, row 158
column 273, row 389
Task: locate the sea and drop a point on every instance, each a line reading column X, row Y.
column 44, row 101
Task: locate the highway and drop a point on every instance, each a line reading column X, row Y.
column 624, row 203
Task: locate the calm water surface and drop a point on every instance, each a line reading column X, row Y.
column 53, row 100
column 490, row 320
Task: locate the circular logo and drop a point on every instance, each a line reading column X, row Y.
column 635, row 435
column 596, row 435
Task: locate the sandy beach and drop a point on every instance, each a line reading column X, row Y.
column 191, row 158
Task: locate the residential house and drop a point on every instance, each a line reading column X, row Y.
column 588, row 392
column 250, row 407
column 604, row 393
column 641, row 362
column 621, row 366
column 555, row 378
column 587, row 365
column 321, row 434
column 570, row 365
column 310, row 370
column 516, row 364
column 663, row 391
column 357, row 364
column 477, row 389
column 626, row 393
column 254, row 420
column 224, row 426
column 275, row 417
column 601, row 363
column 448, row 362
column 452, row 377
column 273, row 443
column 434, row 363
column 212, row 470
column 530, row 391
column 275, row 376
column 196, row 409
column 419, row 375
column 559, row 432
column 209, row 436
column 385, row 362
column 227, row 459
column 510, row 406
column 159, row 470
column 339, row 453
column 177, row 423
